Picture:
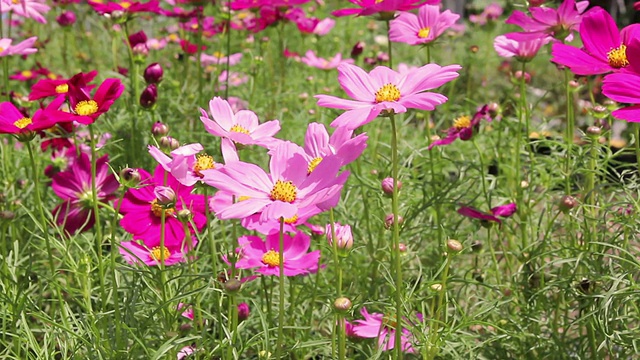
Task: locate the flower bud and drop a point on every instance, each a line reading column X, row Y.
column 243, row 312
column 149, row 96
column 343, row 235
column 357, row 49
column 7, row 215
column 165, row 195
column 436, row 287
column 493, row 108
column 159, row 129
column 130, row 177
column 153, row 73
column 567, row 203
column 518, row 75
column 184, row 215
column 594, row 131
column 454, row 245
column 388, row 221
column 474, row 49
column 232, row 286
column 342, row 304
column 476, row 246
column 66, row 18
column 382, row 57
column 140, row 51
column 168, row 143
column 387, row 185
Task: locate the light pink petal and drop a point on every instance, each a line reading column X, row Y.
column 160, row 157
column 243, row 209
column 222, row 113
column 338, row 103
column 423, row 101
column 316, row 140
column 229, row 151
column 277, row 209
column 288, row 163
column 355, row 118
column 356, row 82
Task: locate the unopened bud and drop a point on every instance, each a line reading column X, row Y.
column 153, row 73
column 387, row 185
column 169, row 143
column 474, row 49
column 436, row 287
column 357, row 49
column 493, row 108
column 159, row 129
column 243, row 311
column 567, row 203
column 165, row 195
column 454, row 245
column 388, row 221
column 344, row 237
column 594, row 131
column 342, row 304
column 184, row 215
column 7, row 215
column 519, row 75
column 232, row 286
column 130, row 177
column 149, row 96
column 66, row 18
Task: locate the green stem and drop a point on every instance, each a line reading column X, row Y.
column 435, row 324
column 228, row 65
column 636, row 127
column 389, row 49
column 396, row 237
column 5, row 78
column 281, row 288
column 482, row 175
column 96, row 214
column 114, row 280
column 569, row 131
column 524, row 121
column 336, row 259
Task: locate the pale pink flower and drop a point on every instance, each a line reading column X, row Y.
column 324, row 26
column 522, row 47
column 32, row 9
column 22, row 48
column 424, row 28
column 186, row 163
column 312, row 60
column 549, row 22
column 384, row 90
column 135, row 252
column 217, row 58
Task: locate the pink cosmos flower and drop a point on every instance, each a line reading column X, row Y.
column 424, row 28
column 186, row 351
column 135, row 253
column 184, row 164
column 31, row 9
column 142, row 209
column 548, row 22
column 318, row 145
column 604, row 46
column 283, row 193
column 384, row 90
column 463, row 128
column 248, row 4
column 217, row 58
column 73, row 186
column 490, row 13
column 156, row 44
column 623, row 86
column 370, row 7
column 503, row 211
column 383, row 327
column 312, row 60
column 235, row 79
column 323, row 27
column 22, row 48
column 522, row 47
column 126, row 7
column 239, row 128
column 263, row 256
column 12, row 121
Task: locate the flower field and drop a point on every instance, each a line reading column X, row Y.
column 319, row 179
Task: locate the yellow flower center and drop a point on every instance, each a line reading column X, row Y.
column 62, row 89
column 1, row 49
column 617, row 57
column 52, row 76
column 125, row 4
column 291, row 220
column 173, row 37
column 203, row 162
column 23, row 123
column 157, row 209
column 379, row 1
column 284, row 191
column 15, row 1
column 271, row 258
column 243, row 198
column 26, row 73
column 389, row 92
column 86, row 107
column 218, row 54
column 424, row 32
column 160, row 253
column 462, row 122
column 313, row 163
column 239, row 129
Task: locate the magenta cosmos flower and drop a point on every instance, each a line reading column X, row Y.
column 125, row 7
column 283, row 193
column 264, row 256
column 85, row 108
column 549, row 22
column 605, row 48
column 56, row 87
column 12, row 121
column 518, row 45
column 318, row 145
column 424, row 28
column 135, row 253
column 383, row 327
column 186, row 163
column 384, row 90
column 370, row 7
column 249, row 4
column 503, row 211
column 73, row 186
column 22, row 48
column 310, row 59
column 463, row 127
column 142, row 209
column 242, row 127
column 623, row 86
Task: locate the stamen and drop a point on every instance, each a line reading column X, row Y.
column 23, row 123
column 62, row 89
column 424, row 32
column 284, row 191
column 617, row 57
column 239, row 129
column 462, row 122
column 313, row 164
column 203, row 162
column 389, row 92
column 86, row 107
column 157, row 209
column 160, row 253
column 271, row 258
